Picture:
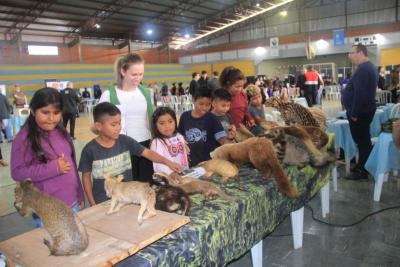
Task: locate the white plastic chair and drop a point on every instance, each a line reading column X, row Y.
column 395, row 113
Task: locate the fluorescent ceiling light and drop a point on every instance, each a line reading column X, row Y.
column 41, row 50
column 182, row 42
column 283, row 13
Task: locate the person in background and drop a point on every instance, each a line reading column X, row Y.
column 86, row 93
column 221, row 103
column 19, row 97
column 203, row 81
column 256, row 108
column 360, row 105
column 394, row 85
column 201, row 129
column 312, row 83
column 300, row 83
column 194, row 85
column 134, row 102
column 97, row 91
column 3, row 163
column 173, row 89
column 181, row 90
column 5, row 111
column 213, row 83
column 70, row 103
column 381, row 81
column 233, row 80
column 43, row 152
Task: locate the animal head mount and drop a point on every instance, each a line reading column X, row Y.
column 274, row 102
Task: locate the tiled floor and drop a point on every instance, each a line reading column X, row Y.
column 374, row 242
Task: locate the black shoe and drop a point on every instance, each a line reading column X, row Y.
column 356, row 176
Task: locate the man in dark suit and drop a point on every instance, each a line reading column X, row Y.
column 194, row 85
column 359, row 102
column 70, row 108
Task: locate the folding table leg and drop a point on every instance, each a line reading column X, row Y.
column 257, row 254
column 297, row 218
column 378, row 187
column 334, row 178
column 325, row 200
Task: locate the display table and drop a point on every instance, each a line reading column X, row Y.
column 111, row 238
column 383, row 158
column 221, row 231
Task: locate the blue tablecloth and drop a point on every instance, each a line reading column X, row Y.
column 343, row 137
column 387, row 109
column 375, row 127
column 17, row 121
column 384, row 156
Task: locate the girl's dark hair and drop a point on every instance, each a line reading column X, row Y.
column 42, row 98
column 230, row 75
column 156, row 115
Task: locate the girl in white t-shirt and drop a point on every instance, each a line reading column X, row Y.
column 168, row 142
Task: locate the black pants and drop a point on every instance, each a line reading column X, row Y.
column 71, row 117
column 142, row 168
column 360, row 132
column 310, row 93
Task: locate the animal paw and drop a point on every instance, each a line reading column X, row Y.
column 140, row 221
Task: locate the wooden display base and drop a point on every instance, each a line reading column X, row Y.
column 112, row 238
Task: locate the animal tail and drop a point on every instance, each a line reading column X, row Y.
column 271, row 165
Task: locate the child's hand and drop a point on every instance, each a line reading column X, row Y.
column 232, row 132
column 3, row 163
column 64, row 165
column 252, row 123
column 175, row 166
column 175, row 177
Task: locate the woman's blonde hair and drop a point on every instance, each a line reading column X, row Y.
column 123, row 63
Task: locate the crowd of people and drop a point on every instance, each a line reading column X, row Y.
column 136, row 140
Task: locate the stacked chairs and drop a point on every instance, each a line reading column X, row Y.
column 332, row 92
column 383, row 97
column 178, row 103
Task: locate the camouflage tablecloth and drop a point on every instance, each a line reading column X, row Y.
column 221, row 231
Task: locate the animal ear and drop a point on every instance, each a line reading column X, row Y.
column 120, row 178
column 25, row 184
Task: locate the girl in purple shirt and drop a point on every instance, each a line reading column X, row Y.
column 44, row 152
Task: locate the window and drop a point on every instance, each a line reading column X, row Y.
column 42, row 50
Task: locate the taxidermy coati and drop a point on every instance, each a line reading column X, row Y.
column 67, row 233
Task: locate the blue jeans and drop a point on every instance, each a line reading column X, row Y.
column 38, row 222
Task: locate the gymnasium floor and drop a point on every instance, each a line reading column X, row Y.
column 374, row 242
